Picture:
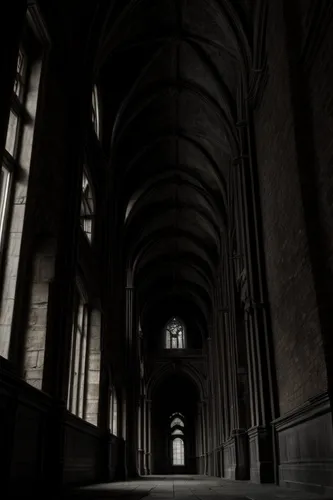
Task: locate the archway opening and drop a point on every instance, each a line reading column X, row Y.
column 174, row 422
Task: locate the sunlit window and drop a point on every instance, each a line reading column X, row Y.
column 17, row 117
column 87, row 207
column 15, row 169
column 178, row 457
column 174, row 334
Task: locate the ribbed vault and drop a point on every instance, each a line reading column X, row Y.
column 170, row 73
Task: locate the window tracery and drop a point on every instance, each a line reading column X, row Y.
column 175, row 334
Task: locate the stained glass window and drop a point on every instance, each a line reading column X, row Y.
column 174, row 334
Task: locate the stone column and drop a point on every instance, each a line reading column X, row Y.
column 131, row 386
column 198, row 452
column 75, row 116
column 212, row 413
column 144, row 436
column 148, row 455
column 139, row 440
column 205, row 433
column 259, row 355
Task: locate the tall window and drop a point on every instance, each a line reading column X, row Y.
column 87, row 207
column 178, row 455
column 79, row 355
column 177, row 428
column 174, row 334
column 16, row 118
column 113, row 412
column 15, row 168
column 95, row 111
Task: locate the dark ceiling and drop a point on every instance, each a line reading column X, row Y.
column 170, row 76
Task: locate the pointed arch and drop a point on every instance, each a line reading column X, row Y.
column 177, row 421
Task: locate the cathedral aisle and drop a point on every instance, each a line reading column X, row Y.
column 190, row 488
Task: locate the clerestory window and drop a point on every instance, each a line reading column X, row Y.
column 175, row 334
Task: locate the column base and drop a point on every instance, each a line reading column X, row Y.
column 261, row 455
column 236, row 456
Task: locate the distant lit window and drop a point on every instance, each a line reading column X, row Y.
column 87, row 207
column 113, row 412
column 95, row 111
column 174, row 334
column 177, row 432
column 178, row 455
column 177, row 421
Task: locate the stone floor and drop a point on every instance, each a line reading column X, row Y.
column 190, row 488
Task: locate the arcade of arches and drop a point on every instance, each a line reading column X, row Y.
column 166, row 241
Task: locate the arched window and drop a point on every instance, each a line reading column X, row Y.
column 95, row 111
column 178, row 455
column 15, row 168
column 177, row 432
column 174, row 334
column 85, row 358
column 177, row 421
column 113, row 412
column 87, row 213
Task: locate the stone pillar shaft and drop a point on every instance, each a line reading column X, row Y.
column 131, row 387
column 149, row 422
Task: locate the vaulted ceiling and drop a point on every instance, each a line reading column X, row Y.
column 170, row 74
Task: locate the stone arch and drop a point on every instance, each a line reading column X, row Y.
column 188, row 369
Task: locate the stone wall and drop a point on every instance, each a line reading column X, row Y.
column 298, row 345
